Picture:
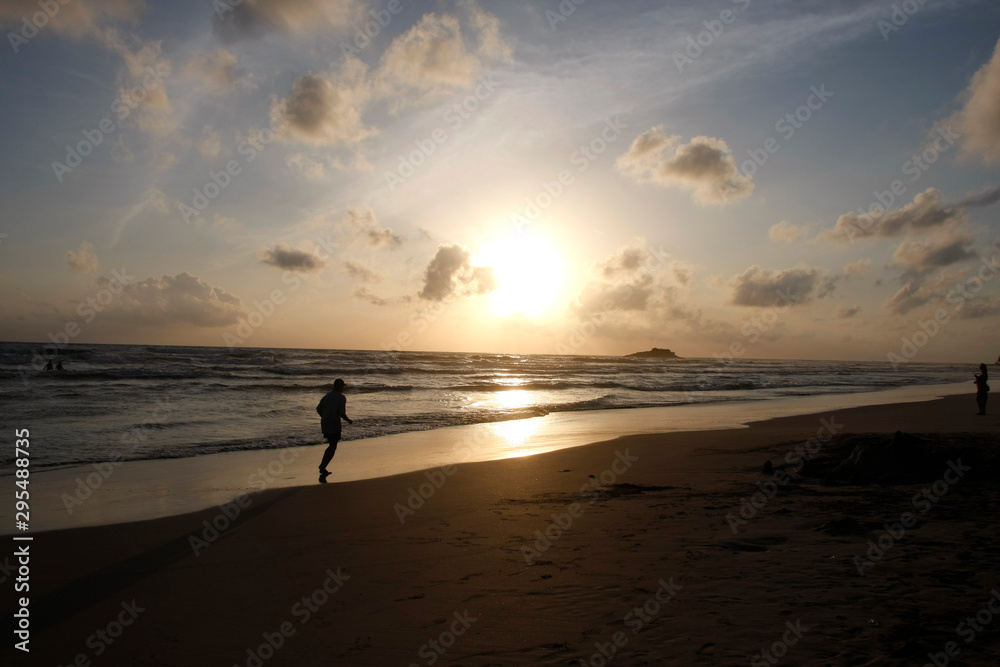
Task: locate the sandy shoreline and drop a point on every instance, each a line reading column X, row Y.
column 119, row 492
column 533, row 561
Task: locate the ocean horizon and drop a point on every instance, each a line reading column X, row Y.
column 142, row 402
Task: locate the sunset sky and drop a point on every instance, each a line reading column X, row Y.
column 526, row 176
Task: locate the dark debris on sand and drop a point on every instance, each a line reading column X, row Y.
column 904, row 458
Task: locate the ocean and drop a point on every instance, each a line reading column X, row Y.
column 131, row 402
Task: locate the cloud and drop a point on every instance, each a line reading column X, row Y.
column 943, row 249
column 765, row 288
column 985, row 197
column 363, row 226
column 366, row 294
column 312, row 170
column 361, row 272
column 927, row 210
column 82, row 260
column 218, row 72
column 179, row 299
column 251, row 19
column 705, row 166
column 210, row 143
column 786, row 232
column 624, row 262
column 74, row 19
column 325, row 109
column 978, row 121
column 452, row 273
column 682, row 272
column 432, row 59
column 284, row 257
column 858, row 268
column 846, row 312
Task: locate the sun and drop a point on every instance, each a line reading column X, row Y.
column 529, row 273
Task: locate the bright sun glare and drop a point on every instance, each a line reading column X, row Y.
column 529, row 275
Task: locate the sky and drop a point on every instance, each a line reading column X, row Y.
column 730, row 179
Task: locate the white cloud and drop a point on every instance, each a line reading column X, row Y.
column 786, row 232
column 178, row 299
column 218, row 72
column 83, row 259
column 978, row 121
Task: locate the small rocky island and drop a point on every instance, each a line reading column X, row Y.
column 655, row 353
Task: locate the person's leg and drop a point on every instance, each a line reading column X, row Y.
column 330, row 451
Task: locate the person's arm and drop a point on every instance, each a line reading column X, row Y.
column 319, row 408
column 343, row 413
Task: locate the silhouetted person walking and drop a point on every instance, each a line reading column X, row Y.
column 332, row 408
column 982, row 389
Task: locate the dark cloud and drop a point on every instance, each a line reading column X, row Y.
column 766, row 288
column 926, row 211
column 322, row 111
column 705, row 166
column 847, row 312
column 284, row 257
column 252, row 19
column 985, row 197
column 943, row 249
column 451, row 273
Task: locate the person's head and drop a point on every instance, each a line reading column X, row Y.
column 982, row 368
column 338, row 385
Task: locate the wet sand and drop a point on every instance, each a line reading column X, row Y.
column 621, row 547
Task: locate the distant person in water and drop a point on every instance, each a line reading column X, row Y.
column 59, row 367
column 332, row 408
column 48, row 366
column 982, row 389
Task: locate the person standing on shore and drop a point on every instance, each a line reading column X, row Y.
column 332, row 408
column 982, row 388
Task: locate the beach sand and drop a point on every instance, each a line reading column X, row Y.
column 640, row 561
